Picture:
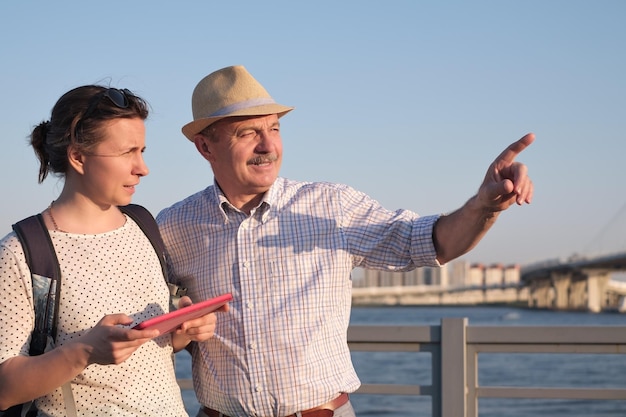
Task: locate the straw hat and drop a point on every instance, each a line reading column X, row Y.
column 231, row 91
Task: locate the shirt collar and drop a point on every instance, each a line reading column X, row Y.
column 269, row 199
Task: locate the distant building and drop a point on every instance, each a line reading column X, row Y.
column 458, row 272
column 455, row 274
column 512, row 274
column 494, row 275
column 418, row 276
column 476, row 276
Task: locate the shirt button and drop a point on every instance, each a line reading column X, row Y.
column 249, row 305
column 246, row 264
column 258, row 388
column 253, row 345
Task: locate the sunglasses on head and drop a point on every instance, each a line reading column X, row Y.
column 117, row 97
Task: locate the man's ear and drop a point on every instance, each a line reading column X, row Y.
column 75, row 159
column 202, row 145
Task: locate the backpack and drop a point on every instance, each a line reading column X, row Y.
column 46, row 279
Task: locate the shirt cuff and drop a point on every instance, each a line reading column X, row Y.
column 423, row 246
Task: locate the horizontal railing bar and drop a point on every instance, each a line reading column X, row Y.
column 387, row 389
column 552, row 393
column 395, row 389
column 388, row 347
column 546, row 335
column 538, row 349
column 396, row 334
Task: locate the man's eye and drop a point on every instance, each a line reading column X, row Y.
column 247, row 133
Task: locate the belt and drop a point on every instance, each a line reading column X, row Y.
column 324, row 410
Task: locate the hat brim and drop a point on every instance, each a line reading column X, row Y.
column 198, row 125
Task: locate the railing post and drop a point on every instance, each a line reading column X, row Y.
column 453, row 367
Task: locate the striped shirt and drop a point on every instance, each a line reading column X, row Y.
column 282, row 346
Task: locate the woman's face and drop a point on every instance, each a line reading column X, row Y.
column 113, row 169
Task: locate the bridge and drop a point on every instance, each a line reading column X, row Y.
column 582, row 282
column 575, row 284
column 438, row 295
column 579, row 283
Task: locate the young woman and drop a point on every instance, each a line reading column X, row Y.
column 111, row 274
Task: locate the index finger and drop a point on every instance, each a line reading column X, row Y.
column 514, row 149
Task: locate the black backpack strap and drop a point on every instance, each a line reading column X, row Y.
column 46, row 278
column 150, row 228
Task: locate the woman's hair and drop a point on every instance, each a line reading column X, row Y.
column 77, row 120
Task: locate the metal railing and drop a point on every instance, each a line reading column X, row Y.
column 454, row 348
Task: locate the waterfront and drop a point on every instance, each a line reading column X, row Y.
column 495, row 369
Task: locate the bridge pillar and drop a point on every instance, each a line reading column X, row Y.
column 541, row 294
column 578, row 296
column 597, row 285
column 561, row 284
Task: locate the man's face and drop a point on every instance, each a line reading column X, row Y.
column 245, row 154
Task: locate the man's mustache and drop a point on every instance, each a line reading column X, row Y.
column 263, row 159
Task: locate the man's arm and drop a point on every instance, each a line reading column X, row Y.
column 506, row 183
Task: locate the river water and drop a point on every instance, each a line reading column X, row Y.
column 551, row 370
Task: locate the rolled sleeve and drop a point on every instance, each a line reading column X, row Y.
column 423, row 250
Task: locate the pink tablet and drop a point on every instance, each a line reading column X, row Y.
column 169, row 322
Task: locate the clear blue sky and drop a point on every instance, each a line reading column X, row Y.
column 408, row 101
